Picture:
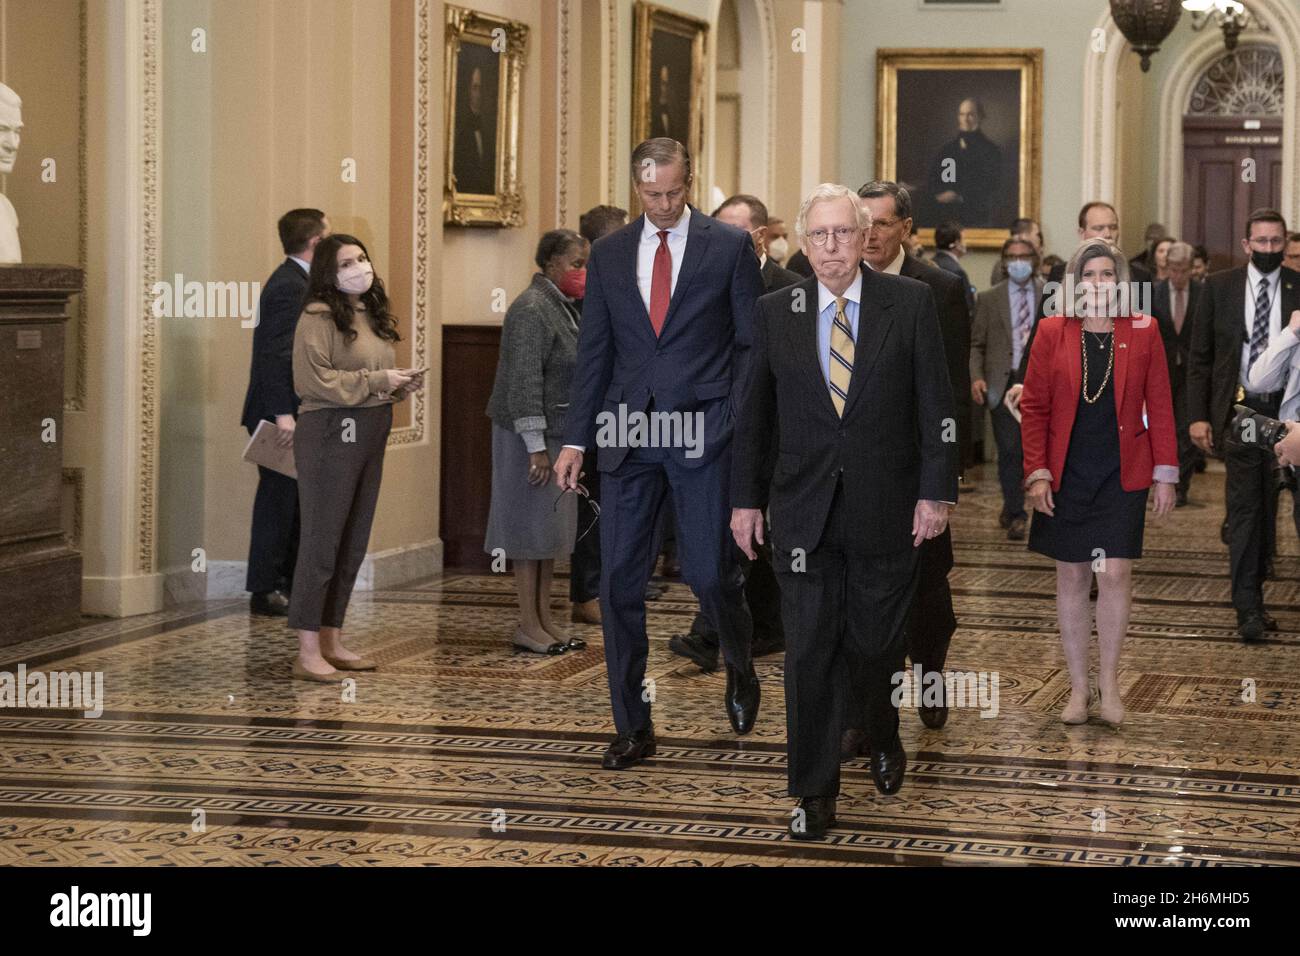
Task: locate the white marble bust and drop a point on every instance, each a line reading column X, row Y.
column 11, row 125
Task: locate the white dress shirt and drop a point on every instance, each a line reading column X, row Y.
column 306, row 266
column 1253, row 276
column 1279, row 365
column 645, row 253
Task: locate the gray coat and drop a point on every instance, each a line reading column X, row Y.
column 539, row 346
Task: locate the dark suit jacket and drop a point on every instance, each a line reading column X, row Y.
column 1177, row 344
column 698, row 361
column 954, row 325
column 775, row 277
column 888, row 448
column 1218, row 333
column 798, row 264
column 948, row 263
column 270, row 379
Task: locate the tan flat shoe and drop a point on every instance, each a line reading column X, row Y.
column 361, row 664
column 301, row 673
column 523, row 641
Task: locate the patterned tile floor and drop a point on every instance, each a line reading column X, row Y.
column 460, row 752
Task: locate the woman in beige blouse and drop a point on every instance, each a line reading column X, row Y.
column 343, row 372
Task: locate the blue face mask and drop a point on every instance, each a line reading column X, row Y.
column 1019, row 270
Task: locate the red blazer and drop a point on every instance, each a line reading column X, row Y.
column 1053, row 390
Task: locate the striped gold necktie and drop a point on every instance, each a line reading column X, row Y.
column 841, row 365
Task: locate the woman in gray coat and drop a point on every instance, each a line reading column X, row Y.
column 539, row 344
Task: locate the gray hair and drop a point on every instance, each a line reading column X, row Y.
column 9, row 97
column 884, row 187
column 829, row 192
column 1180, row 252
column 660, row 151
column 1097, row 248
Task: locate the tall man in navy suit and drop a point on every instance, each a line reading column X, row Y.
column 273, row 543
column 666, row 332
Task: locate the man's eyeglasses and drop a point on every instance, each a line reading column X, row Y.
column 843, row 234
column 592, row 504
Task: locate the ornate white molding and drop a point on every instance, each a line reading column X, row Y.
column 414, row 433
column 1101, row 77
column 150, row 173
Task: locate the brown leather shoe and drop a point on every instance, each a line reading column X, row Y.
column 588, row 612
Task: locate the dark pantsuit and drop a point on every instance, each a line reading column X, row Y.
column 1006, row 432
column 584, row 564
column 632, row 499
column 338, row 487
column 273, row 544
column 844, row 616
column 1252, row 515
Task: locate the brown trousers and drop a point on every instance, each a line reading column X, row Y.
column 339, row 454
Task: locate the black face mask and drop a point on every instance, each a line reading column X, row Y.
column 1265, row 262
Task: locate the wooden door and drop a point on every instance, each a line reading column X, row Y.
column 1231, row 167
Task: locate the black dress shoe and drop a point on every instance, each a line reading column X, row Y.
column 1016, row 530
column 742, row 698
column 853, row 744
column 628, row 750
column 695, row 648
column 887, row 767
column 1250, row 625
column 654, row 592
column 768, row 644
column 817, row 817
column 1180, row 499
column 270, row 604
column 933, row 717
column 1270, row 622
column 576, row 644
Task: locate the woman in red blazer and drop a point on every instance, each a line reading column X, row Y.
column 1097, row 427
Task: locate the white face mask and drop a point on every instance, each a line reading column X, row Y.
column 778, row 249
column 356, row 279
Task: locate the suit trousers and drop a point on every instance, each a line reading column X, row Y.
column 632, row 500
column 273, row 542
column 584, row 563
column 844, row 615
column 1252, row 515
column 339, row 453
column 762, row 594
column 1011, row 461
column 1188, row 453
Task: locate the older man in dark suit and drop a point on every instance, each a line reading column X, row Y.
column 666, row 330
column 1173, row 303
column 273, row 543
column 842, row 435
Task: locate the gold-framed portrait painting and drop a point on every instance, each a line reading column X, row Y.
column 962, row 130
column 668, row 82
column 484, row 68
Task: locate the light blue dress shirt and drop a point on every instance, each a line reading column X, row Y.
column 826, row 319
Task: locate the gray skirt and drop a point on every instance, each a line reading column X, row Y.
column 523, row 520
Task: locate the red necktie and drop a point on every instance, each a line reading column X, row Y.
column 661, row 284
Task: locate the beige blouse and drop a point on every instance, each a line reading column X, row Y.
column 330, row 373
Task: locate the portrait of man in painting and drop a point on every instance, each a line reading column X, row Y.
column 478, row 82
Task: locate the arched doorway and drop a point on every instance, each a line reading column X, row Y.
column 1232, row 148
